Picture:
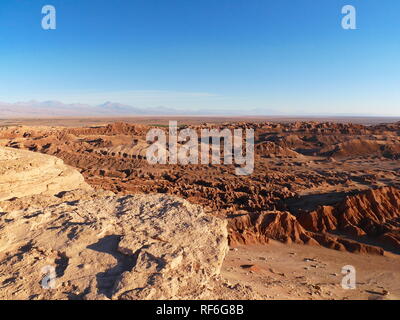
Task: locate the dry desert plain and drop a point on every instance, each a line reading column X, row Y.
column 79, row 195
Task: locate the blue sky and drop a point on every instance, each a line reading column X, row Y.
column 289, row 56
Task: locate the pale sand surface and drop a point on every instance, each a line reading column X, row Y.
column 281, row 271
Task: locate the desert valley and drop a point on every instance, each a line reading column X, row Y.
column 80, row 196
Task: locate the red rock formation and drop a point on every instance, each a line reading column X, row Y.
column 291, row 159
column 283, row 226
column 272, row 150
column 259, row 228
column 374, row 213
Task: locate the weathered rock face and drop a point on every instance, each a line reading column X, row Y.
column 374, row 214
column 97, row 245
column 133, row 247
column 259, row 228
column 24, row 173
column 284, row 227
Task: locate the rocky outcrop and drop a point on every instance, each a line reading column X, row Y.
column 363, row 147
column 374, row 214
column 86, row 244
column 24, row 173
column 259, row 228
column 271, row 150
column 284, row 227
column 133, row 247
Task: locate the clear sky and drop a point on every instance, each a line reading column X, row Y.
column 289, row 56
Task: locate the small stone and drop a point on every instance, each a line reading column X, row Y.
column 385, row 292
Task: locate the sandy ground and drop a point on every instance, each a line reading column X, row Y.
column 279, row 271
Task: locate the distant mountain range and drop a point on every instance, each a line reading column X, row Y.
column 52, row 108
column 34, row 109
column 58, row 109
